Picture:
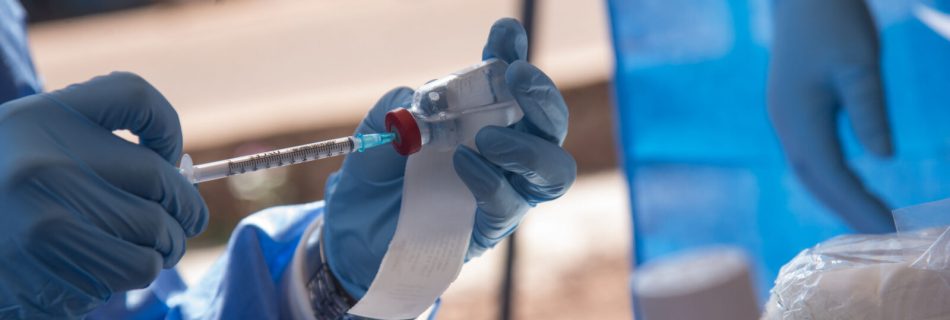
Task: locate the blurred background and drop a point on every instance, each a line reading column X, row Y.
column 247, row 76
column 667, row 103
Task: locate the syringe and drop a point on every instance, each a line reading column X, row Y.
column 282, row 157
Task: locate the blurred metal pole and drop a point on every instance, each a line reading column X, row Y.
column 508, row 283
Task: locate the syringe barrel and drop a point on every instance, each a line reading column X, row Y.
column 270, row 159
column 479, row 94
column 211, row 171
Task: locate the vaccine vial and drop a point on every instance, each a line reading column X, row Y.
column 449, row 111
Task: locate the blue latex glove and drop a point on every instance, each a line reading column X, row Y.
column 85, row 213
column 825, row 59
column 518, row 167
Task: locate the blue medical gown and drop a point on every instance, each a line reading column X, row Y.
column 244, row 283
column 701, row 158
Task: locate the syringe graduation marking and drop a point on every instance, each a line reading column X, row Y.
column 307, row 152
column 283, row 157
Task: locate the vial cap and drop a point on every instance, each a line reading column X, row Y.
column 408, row 138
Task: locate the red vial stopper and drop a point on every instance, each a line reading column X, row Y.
column 408, row 138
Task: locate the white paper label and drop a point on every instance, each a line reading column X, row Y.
column 430, row 242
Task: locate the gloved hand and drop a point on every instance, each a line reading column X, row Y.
column 85, row 213
column 517, row 167
column 825, row 59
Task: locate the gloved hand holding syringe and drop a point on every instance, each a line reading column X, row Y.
column 483, row 185
column 484, row 144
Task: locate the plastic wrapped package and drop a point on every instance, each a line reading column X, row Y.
column 904, row 275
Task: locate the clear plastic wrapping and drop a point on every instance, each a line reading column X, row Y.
column 903, row 275
column 476, row 92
